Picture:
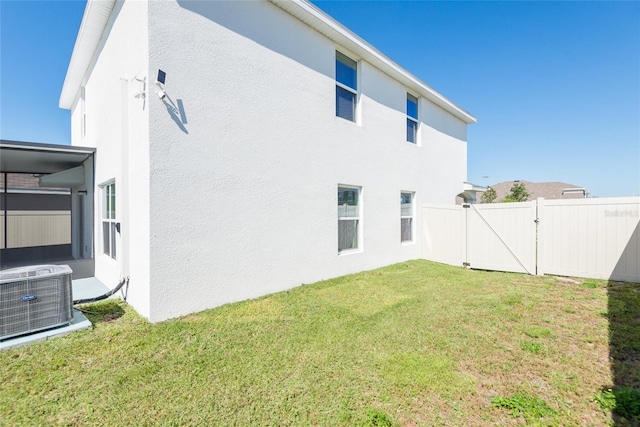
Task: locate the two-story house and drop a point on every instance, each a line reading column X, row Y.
column 244, row 148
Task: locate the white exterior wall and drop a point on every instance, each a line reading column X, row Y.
column 117, row 124
column 243, row 193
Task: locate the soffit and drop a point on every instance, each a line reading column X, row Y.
column 24, row 157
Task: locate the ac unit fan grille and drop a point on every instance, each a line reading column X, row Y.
column 21, row 313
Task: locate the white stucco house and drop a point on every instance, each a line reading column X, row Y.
column 281, row 149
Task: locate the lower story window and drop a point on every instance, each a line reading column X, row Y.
column 109, row 223
column 348, row 218
column 406, row 217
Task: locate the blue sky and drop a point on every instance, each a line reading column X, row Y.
column 555, row 85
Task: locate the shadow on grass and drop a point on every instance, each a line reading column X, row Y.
column 103, row 312
column 624, row 336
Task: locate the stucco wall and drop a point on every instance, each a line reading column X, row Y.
column 246, row 155
column 117, row 124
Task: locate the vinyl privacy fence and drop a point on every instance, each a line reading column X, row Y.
column 595, row 238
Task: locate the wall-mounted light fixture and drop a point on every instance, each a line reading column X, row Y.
column 162, row 76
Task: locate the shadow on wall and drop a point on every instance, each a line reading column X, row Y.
column 176, row 113
column 272, row 28
column 624, row 335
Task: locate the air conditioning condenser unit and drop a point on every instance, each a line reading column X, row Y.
column 34, row 298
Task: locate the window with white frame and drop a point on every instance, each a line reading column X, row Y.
column 346, row 87
column 109, row 224
column 348, row 218
column 406, row 217
column 412, row 119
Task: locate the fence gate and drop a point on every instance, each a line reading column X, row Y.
column 501, row 237
column 489, row 237
column 596, row 238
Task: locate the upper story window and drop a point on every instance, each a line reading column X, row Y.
column 346, row 87
column 412, row 119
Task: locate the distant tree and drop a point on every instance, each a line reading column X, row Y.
column 489, row 196
column 518, row 193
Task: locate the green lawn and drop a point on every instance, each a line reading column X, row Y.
column 416, row 343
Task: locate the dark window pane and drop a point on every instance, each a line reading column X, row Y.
column 347, row 234
column 105, row 237
column 412, row 106
column 112, row 213
column 345, row 104
column 113, row 240
column 348, row 196
column 412, row 128
column 405, row 229
column 406, row 205
column 346, row 71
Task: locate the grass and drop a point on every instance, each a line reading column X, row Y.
column 415, row 343
column 520, row 404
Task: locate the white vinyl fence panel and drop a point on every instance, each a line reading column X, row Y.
column 38, row 228
column 597, row 238
column 443, row 233
column 502, row 236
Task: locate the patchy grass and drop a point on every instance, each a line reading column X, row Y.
column 537, row 331
column 532, row 347
column 520, row 404
column 591, row 284
column 415, row 343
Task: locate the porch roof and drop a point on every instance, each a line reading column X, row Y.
column 29, row 157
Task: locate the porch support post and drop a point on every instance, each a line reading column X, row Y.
column 5, row 201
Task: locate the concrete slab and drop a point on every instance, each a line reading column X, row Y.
column 79, row 322
column 89, row 287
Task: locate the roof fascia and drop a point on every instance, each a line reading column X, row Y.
column 95, row 19
column 37, row 146
column 97, row 14
column 339, row 34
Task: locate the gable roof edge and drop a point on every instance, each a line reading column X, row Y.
column 98, row 12
column 94, row 21
column 335, row 31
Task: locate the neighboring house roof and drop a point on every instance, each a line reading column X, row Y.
column 470, row 193
column 548, row 190
column 97, row 14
